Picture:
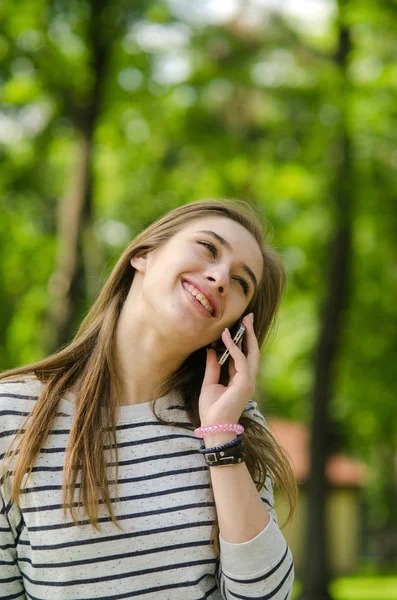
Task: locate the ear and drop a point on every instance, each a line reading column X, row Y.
column 139, row 263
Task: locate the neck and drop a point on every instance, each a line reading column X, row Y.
column 145, row 360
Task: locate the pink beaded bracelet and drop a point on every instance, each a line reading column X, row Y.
column 209, row 429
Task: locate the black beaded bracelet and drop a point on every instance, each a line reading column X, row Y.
column 235, row 442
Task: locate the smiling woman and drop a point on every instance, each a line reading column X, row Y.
column 114, row 417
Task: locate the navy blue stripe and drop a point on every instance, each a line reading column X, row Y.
column 7, row 546
column 204, row 486
column 210, row 592
column 138, row 515
column 7, row 562
column 267, row 596
column 67, row 431
column 122, row 427
column 19, row 396
column 267, row 502
column 51, row 432
column 110, row 538
column 14, row 596
column 123, row 444
column 13, row 412
column 217, row 572
column 10, row 432
column 110, row 557
column 9, row 580
column 46, row 488
column 127, row 426
column 6, row 509
column 128, row 444
column 150, row 440
column 19, row 530
column 133, row 461
column 26, row 414
column 152, row 590
column 262, row 577
column 82, row 582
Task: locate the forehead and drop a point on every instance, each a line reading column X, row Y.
column 244, row 246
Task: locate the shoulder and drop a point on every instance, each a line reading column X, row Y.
column 253, row 412
column 18, row 397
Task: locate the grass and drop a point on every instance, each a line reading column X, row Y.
column 361, row 588
column 365, row 588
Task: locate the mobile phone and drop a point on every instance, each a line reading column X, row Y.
column 237, row 337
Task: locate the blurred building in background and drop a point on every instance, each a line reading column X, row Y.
column 346, row 479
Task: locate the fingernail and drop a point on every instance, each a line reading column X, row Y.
column 252, row 316
column 226, row 330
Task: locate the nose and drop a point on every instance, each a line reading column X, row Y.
column 219, row 279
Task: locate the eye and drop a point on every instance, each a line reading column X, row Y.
column 213, row 249
column 244, row 285
column 209, row 246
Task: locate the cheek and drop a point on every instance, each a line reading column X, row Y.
column 186, row 262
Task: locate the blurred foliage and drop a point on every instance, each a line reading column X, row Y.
column 198, row 104
column 360, row 588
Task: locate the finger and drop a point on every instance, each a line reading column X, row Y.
column 232, row 368
column 236, row 354
column 212, row 368
column 251, row 345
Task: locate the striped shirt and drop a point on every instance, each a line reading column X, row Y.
column 166, row 511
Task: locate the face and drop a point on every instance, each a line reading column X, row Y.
column 202, row 279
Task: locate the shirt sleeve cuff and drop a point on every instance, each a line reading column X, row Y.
column 255, row 556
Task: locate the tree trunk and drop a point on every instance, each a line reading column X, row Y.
column 386, row 534
column 316, row 571
column 68, row 283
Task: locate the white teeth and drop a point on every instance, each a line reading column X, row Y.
column 198, row 296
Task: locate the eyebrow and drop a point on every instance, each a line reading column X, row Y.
column 226, row 244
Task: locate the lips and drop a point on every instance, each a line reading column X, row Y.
column 204, row 291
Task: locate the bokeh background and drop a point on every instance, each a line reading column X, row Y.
column 113, row 112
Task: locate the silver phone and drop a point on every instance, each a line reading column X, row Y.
column 236, row 339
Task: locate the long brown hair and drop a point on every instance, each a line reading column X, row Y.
column 88, row 365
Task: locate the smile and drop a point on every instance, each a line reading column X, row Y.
column 198, row 295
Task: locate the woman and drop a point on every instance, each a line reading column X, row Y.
column 106, row 490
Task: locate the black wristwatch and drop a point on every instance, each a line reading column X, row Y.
column 229, row 456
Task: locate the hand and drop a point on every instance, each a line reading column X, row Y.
column 224, row 404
